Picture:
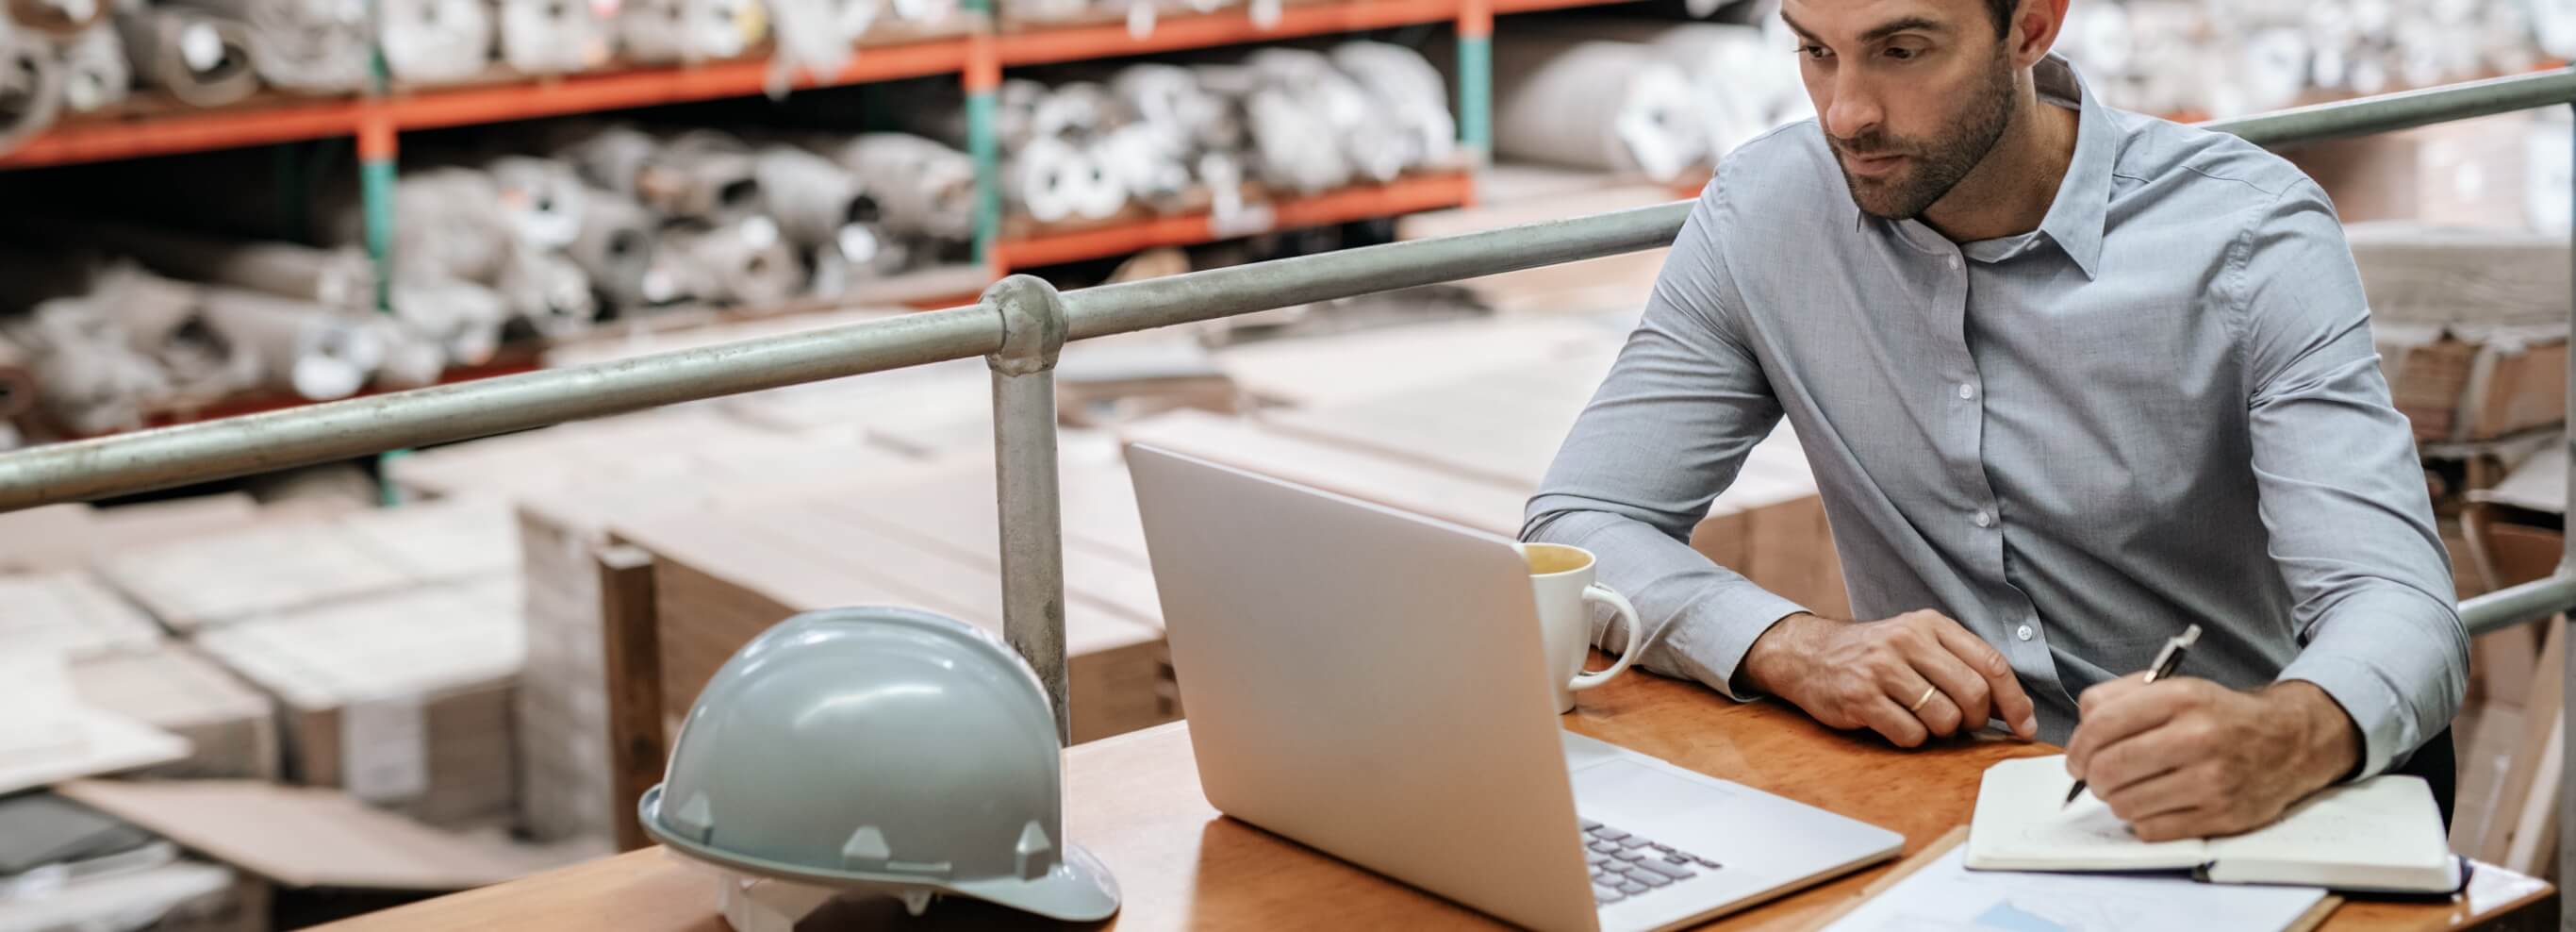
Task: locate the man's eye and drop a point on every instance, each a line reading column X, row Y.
column 1816, row 52
column 1901, row 54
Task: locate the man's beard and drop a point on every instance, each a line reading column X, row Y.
column 1935, row 166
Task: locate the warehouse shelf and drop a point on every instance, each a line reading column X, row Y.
column 159, row 127
column 647, row 87
column 1432, row 191
column 1054, row 44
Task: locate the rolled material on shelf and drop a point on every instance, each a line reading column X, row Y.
column 165, row 321
column 453, row 223
column 17, row 379
column 1053, row 181
column 412, row 359
column 552, row 36
column 1412, row 93
column 925, row 12
column 317, row 353
column 1375, row 148
column 925, row 188
column 742, row 263
column 343, row 278
column 541, row 199
column 54, row 17
column 464, row 318
column 312, row 46
column 31, row 88
column 669, row 31
column 1150, row 162
column 1293, row 144
column 435, row 41
column 821, row 208
column 1744, row 85
column 548, row 291
column 815, row 37
column 95, row 73
column 701, row 175
column 88, row 379
column 1173, row 97
column 614, row 247
column 1589, row 103
column 198, row 57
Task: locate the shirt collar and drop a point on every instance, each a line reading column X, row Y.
column 2076, row 218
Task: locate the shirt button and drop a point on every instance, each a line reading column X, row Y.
column 1985, row 518
column 2024, row 633
column 1952, row 260
column 1967, row 392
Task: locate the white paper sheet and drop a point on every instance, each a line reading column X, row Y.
column 1947, row 897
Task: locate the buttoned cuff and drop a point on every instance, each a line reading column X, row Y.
column 1708, row 642
column 2382, row 656
column 2374, row 704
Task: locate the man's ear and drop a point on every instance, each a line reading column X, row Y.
column 2035, row 25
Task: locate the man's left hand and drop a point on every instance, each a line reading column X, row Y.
column 2188, row 758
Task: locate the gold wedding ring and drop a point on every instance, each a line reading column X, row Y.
column 1927, row 697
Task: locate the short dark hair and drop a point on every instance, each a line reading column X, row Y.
column 2002, row 11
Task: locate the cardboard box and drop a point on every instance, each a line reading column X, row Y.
column 305, row 837
column 64, row 537
column 70, row 613
column 231, row 728
column 294, row 562
column 1503, row 429
column 404, row 698
column 722, row 576
column 2471, row 384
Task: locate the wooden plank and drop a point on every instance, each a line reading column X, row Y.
column 632, row 646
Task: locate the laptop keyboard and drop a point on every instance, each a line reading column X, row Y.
column 1625, row 865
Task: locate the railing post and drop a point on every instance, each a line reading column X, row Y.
column 2566, row 566
column 1024, row 413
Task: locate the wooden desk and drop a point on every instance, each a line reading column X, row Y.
column 1134, row 801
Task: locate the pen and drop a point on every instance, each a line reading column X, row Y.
column 2166, row 660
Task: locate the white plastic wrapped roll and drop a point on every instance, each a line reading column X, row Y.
column 95, row 74
column 552, row 36
column 435, row 41
column 200, row 58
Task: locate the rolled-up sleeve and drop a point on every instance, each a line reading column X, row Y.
column 1664, row 435
column 2342, row 493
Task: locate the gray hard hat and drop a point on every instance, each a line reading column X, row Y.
column 885, row 749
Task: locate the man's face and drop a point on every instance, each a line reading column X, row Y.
column 1912, row 94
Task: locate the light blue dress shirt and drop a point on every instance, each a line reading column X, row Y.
column 2161, row 407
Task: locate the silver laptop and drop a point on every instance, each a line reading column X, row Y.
column 1369, row 683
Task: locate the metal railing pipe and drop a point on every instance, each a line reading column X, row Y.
column 1261, row 286
column 2403, row 110
column 339, row 430
column 2523, row 604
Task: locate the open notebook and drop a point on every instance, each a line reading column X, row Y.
column 2382, row 834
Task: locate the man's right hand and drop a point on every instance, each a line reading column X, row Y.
column 1850, row 674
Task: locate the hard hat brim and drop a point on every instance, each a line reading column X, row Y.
column 1078, row 889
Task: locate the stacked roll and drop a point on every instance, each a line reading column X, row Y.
column 2232, row 59
column 1167, row 138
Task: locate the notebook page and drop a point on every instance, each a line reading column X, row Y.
column 2384, row 821
column 2022, row 824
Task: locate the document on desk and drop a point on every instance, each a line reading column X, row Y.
column 1945, row 896
column 2381, row 834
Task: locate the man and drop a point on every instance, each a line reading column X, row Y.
column 2070, row 379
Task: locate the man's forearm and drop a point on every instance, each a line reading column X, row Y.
column 2329, row 747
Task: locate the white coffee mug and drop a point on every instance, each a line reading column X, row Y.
column 1562, row 579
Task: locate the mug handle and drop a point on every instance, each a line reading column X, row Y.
column 1598, row 593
